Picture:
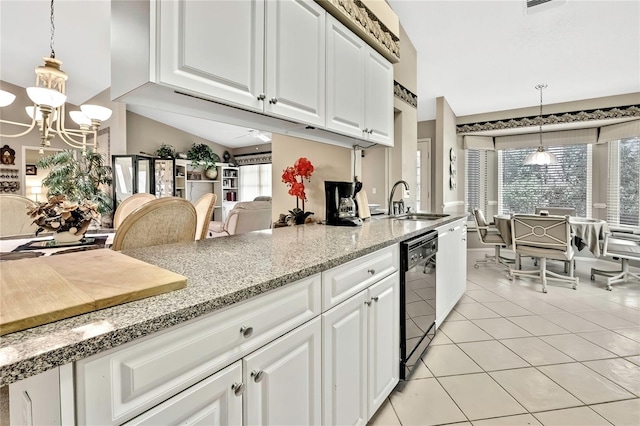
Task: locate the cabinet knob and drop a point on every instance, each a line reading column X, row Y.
column 371, row 271
column 257, row 375
column 370, row 131
column 273, row 100
column 238, row 388
column 375, row 299
column 246, row 331
column 365, row 131
column 261, row 97
column 368, row 303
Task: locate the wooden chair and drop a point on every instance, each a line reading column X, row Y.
column 490, row 235
column 543, row 237
column 625, row 245
column 128, row 205
column 164, row 220
column 13, row 215
column 204, row 210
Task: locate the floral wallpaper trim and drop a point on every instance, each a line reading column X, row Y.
column 568, row 117
column 404, row 94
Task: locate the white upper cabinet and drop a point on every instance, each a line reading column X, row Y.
column 379, row 98
column 214, row 48
column 359, row 87
column 345, row 82
column 295, row 61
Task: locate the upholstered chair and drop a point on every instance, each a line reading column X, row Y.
column 164, row 220
column 13, row 215
column 204, row 210
column 244, row 217
column 128, row 205
column 543, row 237
column 557, row 211
column 489, row 235
column 623, row 244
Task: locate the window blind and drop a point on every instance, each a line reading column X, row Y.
column 255, row 180
column 623, row 200
column 476, row 185
column 567, row 184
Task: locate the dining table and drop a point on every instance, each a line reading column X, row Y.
column 28, row 246
column 587, row 232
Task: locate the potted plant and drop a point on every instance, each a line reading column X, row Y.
column 201, row 155
column 166, row 151
column 80, row 178
column 294, row 177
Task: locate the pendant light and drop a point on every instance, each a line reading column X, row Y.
column 540, row 157
column 48, row 110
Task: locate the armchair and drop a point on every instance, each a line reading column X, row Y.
column 489, row 236
column 543, row 237
column 244, row 217
column 625, row 245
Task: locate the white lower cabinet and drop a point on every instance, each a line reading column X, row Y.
column 360, row 353
column 283, row 379
column 451, row 273
column 217, row 400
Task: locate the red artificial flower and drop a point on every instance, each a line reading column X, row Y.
column 302, row 169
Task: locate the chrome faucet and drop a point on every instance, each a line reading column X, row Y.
column 400, row 206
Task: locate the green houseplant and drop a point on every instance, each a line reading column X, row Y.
column 166, row 151
column 201, row 155
column 79, row 178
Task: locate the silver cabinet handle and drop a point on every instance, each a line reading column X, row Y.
column 368, row 303
column 365, row 131
column 257, row 375
column 238, row 388
column 246, row 331
column 261, row 97
column 273, row 100
column 375, row 299
column 370, row 131
column 371, row 271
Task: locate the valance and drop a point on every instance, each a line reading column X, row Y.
column 615, row 132
column 478, row 142
column 257, row 158
column 530, row 140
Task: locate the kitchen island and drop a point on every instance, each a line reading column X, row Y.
column 220, row 272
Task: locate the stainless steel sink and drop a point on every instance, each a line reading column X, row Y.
column 421, row 216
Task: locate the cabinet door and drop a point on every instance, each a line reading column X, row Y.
column 283, row 379
column 211, row 402
column 344, row 362
column 214, row 49
column 384, row 345
column 451, row 268
column 345, row 85
column 295, row 61
column 379, row 98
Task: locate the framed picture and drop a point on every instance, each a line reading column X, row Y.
column 30, row 170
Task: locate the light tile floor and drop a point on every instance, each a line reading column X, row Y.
column 510, row 355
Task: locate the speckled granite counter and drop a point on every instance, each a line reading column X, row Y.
column 220, row 272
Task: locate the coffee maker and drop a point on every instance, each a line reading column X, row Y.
column 340, row 205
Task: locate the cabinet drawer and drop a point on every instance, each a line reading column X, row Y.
column 120, row 384
column 344, row 281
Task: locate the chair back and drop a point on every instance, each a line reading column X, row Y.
column 543, row 232
column 262, row 198
column 248, row 216
column 204, row 210
column 164, row 220
column 481, row 223
column 128, row 205
column 625, row 245
column 557, row 211
column 13, row 215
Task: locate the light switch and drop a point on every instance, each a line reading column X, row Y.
column 373, row 190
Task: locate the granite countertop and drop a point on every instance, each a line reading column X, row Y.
column 220, row 272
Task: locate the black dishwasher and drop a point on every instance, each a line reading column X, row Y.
column 417, row 298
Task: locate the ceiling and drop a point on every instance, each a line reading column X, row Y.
column 483, row 56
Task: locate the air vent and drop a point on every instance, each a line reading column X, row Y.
column 532, row 3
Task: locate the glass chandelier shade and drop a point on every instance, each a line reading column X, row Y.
column 48, row 110
column 540, row 157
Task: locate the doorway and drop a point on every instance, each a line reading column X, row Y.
column 33, row 175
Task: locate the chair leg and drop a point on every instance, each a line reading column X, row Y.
column 622, row 277
column 543, row 273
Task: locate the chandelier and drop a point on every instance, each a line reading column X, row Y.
column 540, row 157
column 48, row 110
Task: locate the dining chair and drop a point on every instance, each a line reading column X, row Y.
column 164, row 220
column 13, row 215
column 543, row 237
column 204, row 210
column 128, row 205
column 623, row 245
column 489, row 235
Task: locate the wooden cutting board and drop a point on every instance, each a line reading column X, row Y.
column 363, row 205
column 51, row 288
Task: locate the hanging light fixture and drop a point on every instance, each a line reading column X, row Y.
column 48, row 110
column 540, row 157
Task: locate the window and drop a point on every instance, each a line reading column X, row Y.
column 476, row 182
column 255, row 180
column 623, row 201
column 567, row 184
